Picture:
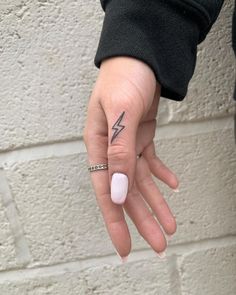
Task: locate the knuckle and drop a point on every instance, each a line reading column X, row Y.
column 91, row 138
column 118, row 153
column 147, row 181
column 161, row 202
column 88, row 137
column 124, row 100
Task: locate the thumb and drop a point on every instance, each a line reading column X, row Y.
column 123, row 121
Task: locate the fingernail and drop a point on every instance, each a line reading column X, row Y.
column 119, row 188
column 161, row 254
column 169, row 237
column 124, row 259
column 176, row 190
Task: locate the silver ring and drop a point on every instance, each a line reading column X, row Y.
column 97, row 167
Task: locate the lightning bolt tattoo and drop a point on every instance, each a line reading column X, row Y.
column 117, row 127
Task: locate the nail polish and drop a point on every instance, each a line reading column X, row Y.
column 161, row 255
column 119, row 188
column 123, row 259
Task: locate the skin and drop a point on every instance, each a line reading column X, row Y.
column 121, row 124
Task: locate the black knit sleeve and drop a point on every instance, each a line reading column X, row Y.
column 162, row 33
column 234, row 42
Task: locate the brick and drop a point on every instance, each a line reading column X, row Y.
column 205, row 165
column 44, row 89
column 58, row 210
column 47, row 71
column 62, row 222
column 143, row 277
column 66, row 284
column 210, row 272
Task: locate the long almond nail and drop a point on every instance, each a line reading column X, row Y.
column 123, row 259
column 161, row 254
column 119, row 188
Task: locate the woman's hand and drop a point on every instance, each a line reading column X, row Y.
column 120, row 124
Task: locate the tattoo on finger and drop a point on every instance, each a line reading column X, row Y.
column 117, row 127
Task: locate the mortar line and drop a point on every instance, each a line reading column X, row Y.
column 175, row 280
column 183, row 129
column 22, row 250
column 183, row 249
column 44, row 151
column 71, row 147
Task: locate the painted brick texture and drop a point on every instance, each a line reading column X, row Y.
column 52, row 236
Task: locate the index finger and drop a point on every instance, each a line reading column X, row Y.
column 96, row 141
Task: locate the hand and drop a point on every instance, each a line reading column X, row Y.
column 121, row 124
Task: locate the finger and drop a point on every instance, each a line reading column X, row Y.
column 152, row 111
column 145, row 223
column 158, row 168
column 145, row 138
column 96, row 144
column 123, row 118
column 153, row 197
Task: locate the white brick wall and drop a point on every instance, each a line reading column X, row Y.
column 52, row 236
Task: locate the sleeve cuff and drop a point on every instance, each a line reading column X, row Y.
column 161, row 34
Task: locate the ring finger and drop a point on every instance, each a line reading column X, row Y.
column 153, row 197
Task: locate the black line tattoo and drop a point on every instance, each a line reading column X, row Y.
column 117, row 127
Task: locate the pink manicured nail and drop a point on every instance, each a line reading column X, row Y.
column 161, row 254
column 119, row 188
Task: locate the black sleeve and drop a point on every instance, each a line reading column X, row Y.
column 234, row 43
column 162, row 33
